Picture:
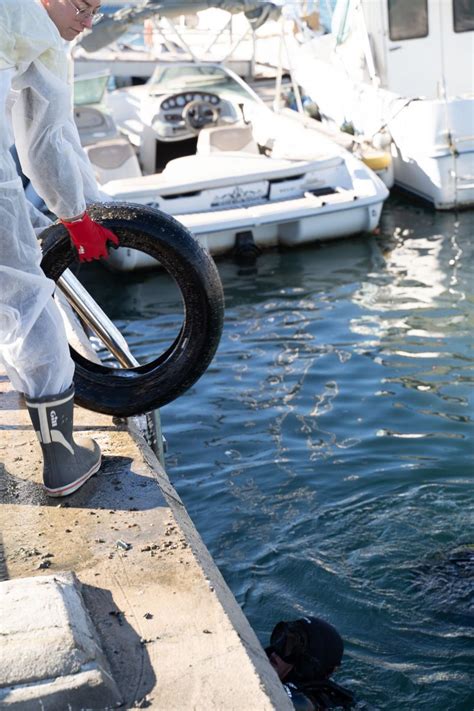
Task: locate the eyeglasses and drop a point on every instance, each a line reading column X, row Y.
column 86, row 14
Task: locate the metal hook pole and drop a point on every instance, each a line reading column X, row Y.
column 85, row 306
column 90, row 312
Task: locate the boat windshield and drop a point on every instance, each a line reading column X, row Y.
column 89, row 89
column 175, row 79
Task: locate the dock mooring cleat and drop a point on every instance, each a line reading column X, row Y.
column 67, row 464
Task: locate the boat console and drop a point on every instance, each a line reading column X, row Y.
column 180, row 116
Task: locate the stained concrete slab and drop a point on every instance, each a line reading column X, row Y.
column 49, row 647
column 173, row 635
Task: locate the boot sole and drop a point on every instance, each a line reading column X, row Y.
column 74, row 485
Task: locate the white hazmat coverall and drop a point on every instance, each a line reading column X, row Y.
column 33, row 344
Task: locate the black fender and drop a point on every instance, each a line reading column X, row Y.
column 132, row 391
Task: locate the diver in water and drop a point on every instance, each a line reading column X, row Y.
column 305, row 653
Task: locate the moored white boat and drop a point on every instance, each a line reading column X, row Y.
column 213, row 155
column 249, row 208
column 404, row 69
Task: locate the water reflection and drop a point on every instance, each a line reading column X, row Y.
column 327, row 452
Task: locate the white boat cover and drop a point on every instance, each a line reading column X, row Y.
column 113, row 25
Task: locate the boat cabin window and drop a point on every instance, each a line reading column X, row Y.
column 407, row 19
column 463, row 15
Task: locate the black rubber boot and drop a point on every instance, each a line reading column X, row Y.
column 67, row 464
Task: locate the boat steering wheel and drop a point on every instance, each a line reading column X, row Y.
column 198, row 113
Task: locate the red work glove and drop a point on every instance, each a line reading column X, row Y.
column 89, row 238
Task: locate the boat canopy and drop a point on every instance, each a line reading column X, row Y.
column 111, row 26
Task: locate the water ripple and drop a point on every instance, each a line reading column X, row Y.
column 326, row 455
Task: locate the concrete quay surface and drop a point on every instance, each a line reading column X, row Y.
column 109, row 598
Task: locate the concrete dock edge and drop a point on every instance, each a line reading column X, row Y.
column 168, row 629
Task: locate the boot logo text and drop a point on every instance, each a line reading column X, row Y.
column 54, row 418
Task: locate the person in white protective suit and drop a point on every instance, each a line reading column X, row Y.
column 33, row 345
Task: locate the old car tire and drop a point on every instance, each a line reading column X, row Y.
column 133, row 391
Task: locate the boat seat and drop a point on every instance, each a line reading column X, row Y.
column 238, row 137
column 113, row 160
column 93, row 125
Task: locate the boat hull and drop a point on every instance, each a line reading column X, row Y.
column 288, row 224
column 433, row 141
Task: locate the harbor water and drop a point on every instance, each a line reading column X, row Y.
column 326, row 457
